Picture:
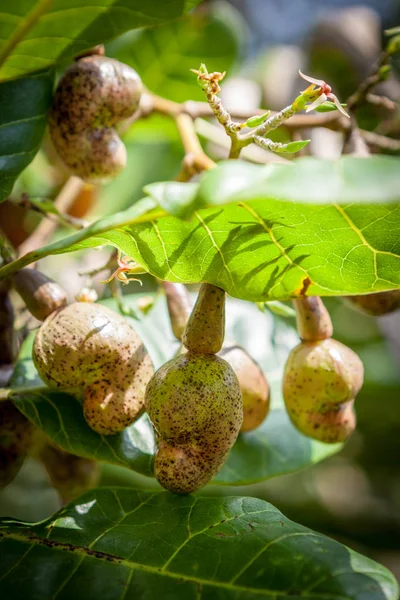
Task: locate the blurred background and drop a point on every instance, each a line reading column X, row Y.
column 354, row 496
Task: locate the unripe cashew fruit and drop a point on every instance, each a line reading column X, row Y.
column 320, row 382
column 70, row 475
column 94, row 94
column 252, row 382
column 376, row 305
column 17, row 436
column 195, row 405
column 41, row 295
column 94, row 350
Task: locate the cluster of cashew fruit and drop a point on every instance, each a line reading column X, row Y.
column 322, row 377
column 93, row 96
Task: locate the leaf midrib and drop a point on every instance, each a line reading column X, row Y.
column 104, row 556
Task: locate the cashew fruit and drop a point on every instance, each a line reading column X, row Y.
column 195, row 405
column 94, row 350
column 94, row 94
column 376, row 305
column 320, row 382
column 70, row 475
column 17, row 436
column 252, row 382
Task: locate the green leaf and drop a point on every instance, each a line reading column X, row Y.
column 24, row 104
column 36, row 34
column 292, row 147
column 326, row 227
column 274, row 448
column 165, row 55
column 257, row 120
column 178, row 199
column 124, row 543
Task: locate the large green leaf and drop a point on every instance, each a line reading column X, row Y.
column 122, row 543
column 272, row 233
column 24, row 104
column 274, row 448
column 36, row 34
column 164, row 56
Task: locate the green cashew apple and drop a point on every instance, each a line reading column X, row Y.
column 94, row 94
column 41, row 295
column 195, row 405
column 210, row 307
column 94, row 350
column 320, row 383
column 376, row 305
column 252, row 382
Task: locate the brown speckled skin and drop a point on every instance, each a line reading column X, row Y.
column 41, row 295
column 195, row 405
column 94, row 349
column 17, row 435
column 320, row 383
column 205, row 329
column 92, row 97
column 253, row 385
column 376, row 305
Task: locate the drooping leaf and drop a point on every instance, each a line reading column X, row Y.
column 312, row 226
column 178, row 199
column 37, row 34
column 164, row 56
column 124, row 543
column 24, row 104
column 274, row 448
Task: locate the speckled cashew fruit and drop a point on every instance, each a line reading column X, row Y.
column 195, row 405
column 253, row 384
column 194, row 402
column 17, row 436
column 94, row 94
column 41, row 295
column 375, row 305
column 69, row 474
column 94, row 350
column 320, row 383
column 322, row 377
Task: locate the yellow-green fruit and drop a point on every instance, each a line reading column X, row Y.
column 94, row 94
column 70, row 475
column 253, row 385
column 17, row 435
column 376, row 305
column 195, row 405
column 91, row 348
column 320, row 383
